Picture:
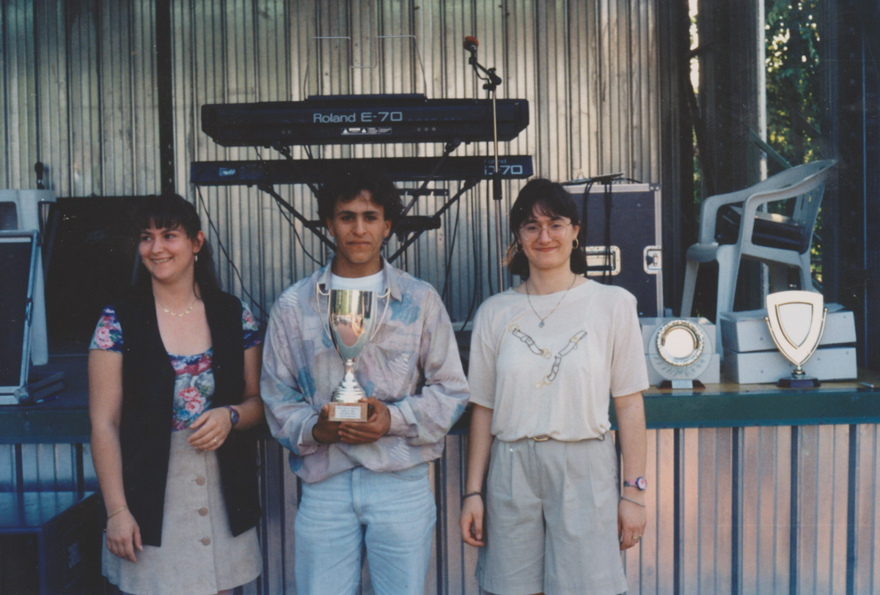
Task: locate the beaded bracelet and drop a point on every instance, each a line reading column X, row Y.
column 636, row 502
column 469, row 494
column 115, row 512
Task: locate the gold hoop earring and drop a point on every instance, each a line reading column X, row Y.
column 575, row 243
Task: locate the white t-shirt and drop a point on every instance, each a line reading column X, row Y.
column 375, row 283
column 557, row 380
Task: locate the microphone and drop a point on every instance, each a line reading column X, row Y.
column 470, row 44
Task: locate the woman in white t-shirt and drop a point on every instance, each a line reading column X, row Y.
column 547, row 357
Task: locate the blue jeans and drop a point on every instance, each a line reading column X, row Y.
column 393, row 514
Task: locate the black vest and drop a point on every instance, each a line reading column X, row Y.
column 147, row 404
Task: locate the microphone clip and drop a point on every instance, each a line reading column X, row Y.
column 492, row 80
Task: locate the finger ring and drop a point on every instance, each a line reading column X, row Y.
column 637, row 538
column 214, row 441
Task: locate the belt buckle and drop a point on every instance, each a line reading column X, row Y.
column 542, row 438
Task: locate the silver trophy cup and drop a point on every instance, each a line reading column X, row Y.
column 350, row 325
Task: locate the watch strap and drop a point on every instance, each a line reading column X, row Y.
column 641, row 484
column 233, row 414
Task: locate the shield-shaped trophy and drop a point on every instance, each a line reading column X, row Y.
column 796, row 320
column 349, row 324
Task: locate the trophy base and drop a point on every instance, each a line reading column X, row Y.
column 801, row 382
column 682, row 384
column 350, row 412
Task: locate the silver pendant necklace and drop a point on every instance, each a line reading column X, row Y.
column 542, row 319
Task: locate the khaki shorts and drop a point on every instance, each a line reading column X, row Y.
column 551, row 519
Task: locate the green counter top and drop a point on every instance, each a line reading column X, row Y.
column 65, row 419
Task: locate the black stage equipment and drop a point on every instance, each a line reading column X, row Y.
column 93, row 260
column 360, row 119
column 19, row 251
column 370, row 119
column 399, row 169
column 621, row 235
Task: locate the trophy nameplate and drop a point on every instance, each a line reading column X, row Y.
column 796, row 320
column 356, row 412
column 349, row 323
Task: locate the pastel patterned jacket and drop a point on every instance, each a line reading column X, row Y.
column 412, row 365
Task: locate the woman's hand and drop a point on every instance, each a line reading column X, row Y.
column 471, row 521
column 211, row 429
column 123, row 536
column 631, row 521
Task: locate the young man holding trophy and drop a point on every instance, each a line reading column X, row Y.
column 362, row 429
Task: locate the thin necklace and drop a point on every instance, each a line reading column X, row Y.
column 188, row 310
column 529, row 298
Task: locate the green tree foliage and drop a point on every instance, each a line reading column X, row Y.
column 792, row 55
column 792, row 71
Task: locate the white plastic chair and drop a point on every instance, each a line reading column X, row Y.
column 778, row 241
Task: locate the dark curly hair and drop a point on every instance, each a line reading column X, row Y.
column 171, row 211
column 546, row 198
column 349, row 181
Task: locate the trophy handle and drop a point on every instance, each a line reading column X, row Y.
column 318, row 293
column 385, row 295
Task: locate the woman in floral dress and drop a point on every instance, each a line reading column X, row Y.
column 174, row 370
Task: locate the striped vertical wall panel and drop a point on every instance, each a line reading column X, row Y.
column 821, row 520
column 704, row 501
column 765, row 496
column 650, row 567
column 81, row 97
column 708, row 508
column 328, row 72
column 866, row 539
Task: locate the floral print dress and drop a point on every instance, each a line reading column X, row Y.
column 194, row 381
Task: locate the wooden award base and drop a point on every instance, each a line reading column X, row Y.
column 351, row 412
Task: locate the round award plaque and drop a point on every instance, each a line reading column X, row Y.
column 679, row 350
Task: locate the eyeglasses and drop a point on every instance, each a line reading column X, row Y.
column 532, row 231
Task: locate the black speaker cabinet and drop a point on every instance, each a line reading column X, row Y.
column 93, row 250
column 621, row 234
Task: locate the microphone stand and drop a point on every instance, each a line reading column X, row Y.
column 492, row 80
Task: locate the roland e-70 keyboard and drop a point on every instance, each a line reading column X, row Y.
column 399, row 169
column 362, row 119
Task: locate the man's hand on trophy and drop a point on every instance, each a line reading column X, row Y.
column 376, row 426
column 326, row 431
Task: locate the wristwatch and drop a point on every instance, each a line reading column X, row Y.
column 641, row 484
column 233, row 414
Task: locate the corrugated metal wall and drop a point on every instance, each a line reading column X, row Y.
column 81, row 97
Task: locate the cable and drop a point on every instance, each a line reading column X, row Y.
column 290, row 221
column 264, row 314
column 489, row 235
column 451, row 249
column 296, row 234
column 475, row 229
